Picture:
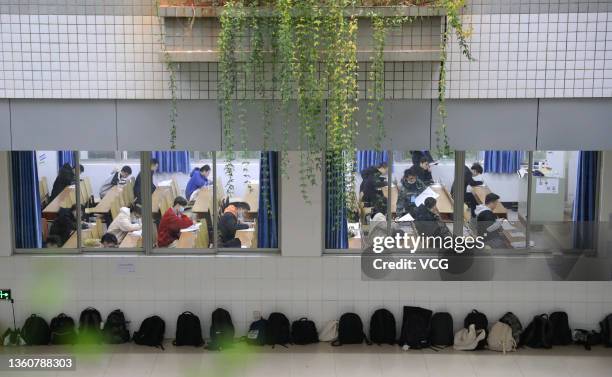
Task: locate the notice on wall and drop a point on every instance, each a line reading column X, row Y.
column 547, row 186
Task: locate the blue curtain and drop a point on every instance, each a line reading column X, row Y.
column 172, row 161
column 65, row 157
column 26, row 200
column 369, row 158
column 507, row 162
column 336, row 227
column 267, row 219
column 585, row 214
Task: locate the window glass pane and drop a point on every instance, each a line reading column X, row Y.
column 494, row 195
column 248, row 216
column 563, row 200
column 97, row 155
column 182, row 200
column 110, row 216
column 44, row 199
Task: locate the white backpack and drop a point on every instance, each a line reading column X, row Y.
column 329, row 332
column 500, row 338
column 467, row 339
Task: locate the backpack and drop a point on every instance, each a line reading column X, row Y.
column 515, row 324
column 35, row 331
column 587, row 338
column 382, row 327
column 188, row 330
column 467, row 339
column 350, row 330
column 115, row 329
column 258, row 333
column 329, row 332
column 606, row 330
column 221, row 330
column 480, row 321
column 415, row 327
column 278, row 329
column 500, row 338
column 63, row 330
column 89, row 326
column 151, row 332
column 441, row 331
column 562, row 334
column 538, row 334
column 304, row 331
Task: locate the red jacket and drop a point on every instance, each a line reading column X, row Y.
column 170, row 227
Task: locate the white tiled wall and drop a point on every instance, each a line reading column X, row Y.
column 320, row 287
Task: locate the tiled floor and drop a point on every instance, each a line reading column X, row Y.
column 324, row 361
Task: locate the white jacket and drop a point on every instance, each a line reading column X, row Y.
column 122, row 224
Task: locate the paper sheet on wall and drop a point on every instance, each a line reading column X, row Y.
column 427, row 193
column 547, row 186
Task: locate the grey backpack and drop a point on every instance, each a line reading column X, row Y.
column 515, row 324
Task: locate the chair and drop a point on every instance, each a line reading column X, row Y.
column 175, row 188
column 165, row 203
column 129, row 189
column 202, row 241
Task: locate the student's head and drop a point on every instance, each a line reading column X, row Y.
column 109, row 240
column 53, row 241
column 179, row 204
column 126, row 171
column 154, row 164
column 205, row 170
column 424, row 163
column 476, row 169
column 382, row 168
column 491, row 200
column 231, row 209
column 430, row 203
column 137, row 212
column 410, row 176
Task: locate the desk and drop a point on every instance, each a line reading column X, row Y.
column 187, row 240
column 444, row 202
column 203, row 202
column 246, row 237
column 481, row 192
column 67, row 195
column 131, row 241
column 105, row 204
column 72, row 241
column 159, row 193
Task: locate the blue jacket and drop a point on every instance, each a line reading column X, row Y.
column 195, row 182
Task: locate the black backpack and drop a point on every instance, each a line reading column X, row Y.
column 587, row 338
column 278, row 329
column 606, row 330
column 382, row 327
column 188, row 330
column 441, row 333
column 89, row 326
column 35, row 331
column 258, row 333
column 562, row 334
column 304, row 331
column 515, row 324
column 350, row 330
column 115, row 329
column 415, row 327
column 221, row 330
column 480, row 321
column 151, row 332
column 538, row 334
column 63, row 330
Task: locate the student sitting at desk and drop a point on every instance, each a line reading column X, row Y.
column 64, row 224
column 172, row 222
column 423, row 171
column 137, row 191
column 109, row 241
column 228, row 225
column 488, row 225
column 116, row 178
column 410, row 187
column 122, row 224
column 373, row 178
column 199, row 179
column 417, row 156
column 65, row 177
column 469, row 180
column 427, row 221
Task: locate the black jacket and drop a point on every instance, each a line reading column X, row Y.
column 468, row 180
column 370, row 187
column 63, row 225
column 228, row 225
column 428, row 223
column 137, row 190
column 424, row 175
column 487, row 224
column 65, row 178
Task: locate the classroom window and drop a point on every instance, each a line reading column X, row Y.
column 248, row 198
column 111, row 218
column 45, row 203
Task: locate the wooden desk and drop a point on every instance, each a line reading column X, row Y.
column 444, row 202
column 131, row 241
column 157, row 196
column 187, row 240
column 481, row 192
column 203, row 202
column 51, row 210
column 72, row 241
column 246, row 237
column 104, row 206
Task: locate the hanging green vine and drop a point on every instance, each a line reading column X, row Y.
column 171, row 67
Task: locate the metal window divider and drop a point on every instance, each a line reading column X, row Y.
column 459, row 197
column 146, row 201
column 214, row 212
column 529, row 188
column 79, row 205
